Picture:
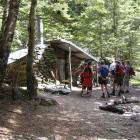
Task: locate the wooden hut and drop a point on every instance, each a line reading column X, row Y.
column 58, row 61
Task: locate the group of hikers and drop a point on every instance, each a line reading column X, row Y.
column 118, row 74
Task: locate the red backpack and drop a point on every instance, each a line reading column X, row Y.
column 121, row 71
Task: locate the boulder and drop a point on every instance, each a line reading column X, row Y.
column 47, row 102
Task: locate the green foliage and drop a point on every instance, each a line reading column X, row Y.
column 105, row 28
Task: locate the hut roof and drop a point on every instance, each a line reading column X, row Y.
column 79, row 52
column 14, row 56
column 62, row 43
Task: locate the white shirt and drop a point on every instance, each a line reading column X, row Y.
column 112, row 66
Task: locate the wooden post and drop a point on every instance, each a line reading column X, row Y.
column 97, row 84
column 70, row 68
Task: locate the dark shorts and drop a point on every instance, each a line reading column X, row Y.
column 113, row 72
column 102, row 81
column 118, row 80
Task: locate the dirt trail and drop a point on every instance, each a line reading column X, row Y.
column 75, row 118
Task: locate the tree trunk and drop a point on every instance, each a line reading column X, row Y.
column 7, row 36
column 5, row 4
column 100, row 36
column 115, row 24
column 31, row 80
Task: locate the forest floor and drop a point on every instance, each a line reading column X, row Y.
column 74, row 118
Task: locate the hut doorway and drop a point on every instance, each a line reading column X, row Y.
column 60, row 72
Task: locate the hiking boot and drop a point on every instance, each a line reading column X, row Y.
column 103, row 95
column 88, row 94
column 108, row 94
column 121, row 91
column 113, row 93
column 127, row 91
column 82, row 94
column 119, row 94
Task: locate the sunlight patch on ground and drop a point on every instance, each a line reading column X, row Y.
column 61, row 131
column 39, row 116
column 137, row 89
column 12, row 120
column 62, row 119
column 4, row 130
column 66, row 116
column 70, row 116
column 42, row 138
column 89, row 122
column 76, row 89
column 4, row 133
column 79, row 88
column 51, row 116
column 19, row 111
column 65, row 137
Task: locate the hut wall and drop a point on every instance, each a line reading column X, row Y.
column 16, row 73
column 75, row 62
column 61, row 64
column 62, row 71
column 53, row 65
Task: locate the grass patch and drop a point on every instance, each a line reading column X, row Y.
column 136, row 79
column 135, row 82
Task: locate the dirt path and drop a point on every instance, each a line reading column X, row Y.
column 75, row 118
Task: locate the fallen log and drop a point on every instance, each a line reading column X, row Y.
column 112, row 108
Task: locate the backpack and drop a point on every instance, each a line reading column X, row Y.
column 104, row 71
column 131, row 71
column 87, row 73
column 121, row 71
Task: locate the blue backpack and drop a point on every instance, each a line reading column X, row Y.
column 104, row 71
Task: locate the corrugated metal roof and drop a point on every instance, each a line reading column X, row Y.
column 17, row 55
column 79, row 52
column 62, row 43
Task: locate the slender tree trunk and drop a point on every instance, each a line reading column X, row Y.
column 31, row 80
column 5, row 4
column 130, row 44
column 7, row 36
column 101, row 45
column 115, row 25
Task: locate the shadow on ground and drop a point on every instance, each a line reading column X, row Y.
column 75, row 118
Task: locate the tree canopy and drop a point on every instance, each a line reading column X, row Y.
column 105, row 28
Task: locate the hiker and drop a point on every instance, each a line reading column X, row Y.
column 128, row 73
column 112, row 71
column 87, row 80
column 103, row 74
column 81, row 74
column 78, row 72
column 118, row 80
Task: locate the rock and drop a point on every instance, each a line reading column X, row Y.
column 113, row 130
column 47, row 102
column 136, row 109
column 135, row 118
